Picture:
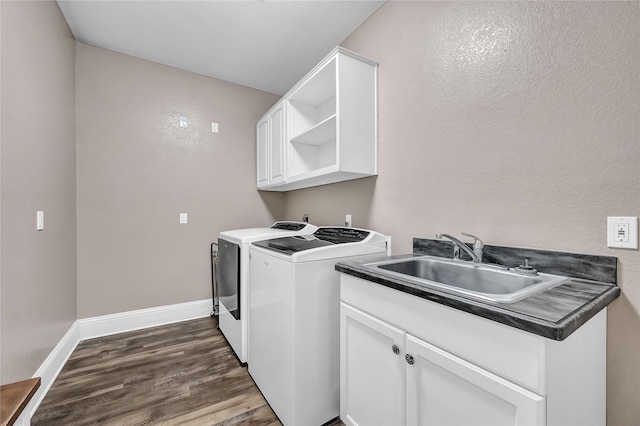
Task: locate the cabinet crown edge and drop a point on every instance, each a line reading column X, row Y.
column 336, row 50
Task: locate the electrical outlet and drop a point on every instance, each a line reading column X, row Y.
column 622, row 232
column 184, row 218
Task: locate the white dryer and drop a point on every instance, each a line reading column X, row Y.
column 294, row 322
column 233, row 273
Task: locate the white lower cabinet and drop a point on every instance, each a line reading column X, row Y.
column 443, row 389
column 393, row 378
column 372, row 379
column 405, row 360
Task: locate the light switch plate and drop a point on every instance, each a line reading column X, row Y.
column 214, row 127
column 622, row 232
column 39, row 220
column 184, row 122
column 184, row 219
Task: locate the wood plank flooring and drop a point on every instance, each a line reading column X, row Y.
column 178, row 374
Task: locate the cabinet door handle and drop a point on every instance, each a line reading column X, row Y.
column 395, row 349
column 409, row 359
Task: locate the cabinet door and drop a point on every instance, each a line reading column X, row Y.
column 443, row 389
column 276, row 144
column 262, row 151
column 372, row 385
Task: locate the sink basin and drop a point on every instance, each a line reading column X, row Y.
column 480, row 281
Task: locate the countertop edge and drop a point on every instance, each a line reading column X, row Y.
column 559, row 330
column 570, row 323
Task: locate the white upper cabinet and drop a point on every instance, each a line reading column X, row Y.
column 262, row 154
column 330, row 125
column 270, row 135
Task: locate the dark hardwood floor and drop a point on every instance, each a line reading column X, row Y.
column 178, row 374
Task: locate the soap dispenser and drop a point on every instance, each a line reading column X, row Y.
column 526, row 269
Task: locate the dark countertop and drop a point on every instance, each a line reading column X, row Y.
column 554, row 313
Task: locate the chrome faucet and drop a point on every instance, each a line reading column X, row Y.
column 476, row 254
column 478, row 245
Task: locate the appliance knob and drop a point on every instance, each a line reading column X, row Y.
column 409, row 359
column 395, row 349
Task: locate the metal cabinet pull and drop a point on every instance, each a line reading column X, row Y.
column 409, row 359
column 395, row 349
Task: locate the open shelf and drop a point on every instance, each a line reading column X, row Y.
column 304, row 117
column 321, row 133
column 305, row 158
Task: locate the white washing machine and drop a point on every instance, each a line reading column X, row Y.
column 232, row 276
column 294, row 323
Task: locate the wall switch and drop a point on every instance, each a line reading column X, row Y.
column 184, row 218
column 184, row 123
column 622, row 232
column 39, row 220
column 214, row 127
column 387, row 241
column 347, row 221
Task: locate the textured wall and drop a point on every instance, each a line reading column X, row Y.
column 137, row 170
column 515, row 121
column 38, row 277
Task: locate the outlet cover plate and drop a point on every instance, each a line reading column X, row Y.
column 622, row 232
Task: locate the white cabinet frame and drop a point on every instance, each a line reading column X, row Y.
column 331, row 124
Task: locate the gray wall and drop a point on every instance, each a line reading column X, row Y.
column 137, row 171
column 38, row 274
column 515, row 121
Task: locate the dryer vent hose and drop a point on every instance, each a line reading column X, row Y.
column 214, row 279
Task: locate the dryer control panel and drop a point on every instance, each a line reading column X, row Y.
column 289, row 226
column 340, row 235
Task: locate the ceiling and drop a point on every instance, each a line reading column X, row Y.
column 266, row 45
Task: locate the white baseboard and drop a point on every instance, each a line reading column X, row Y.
column 88, row 328
column 122, row 322
column 51, row 367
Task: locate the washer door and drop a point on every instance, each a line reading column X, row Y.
column 229, row 276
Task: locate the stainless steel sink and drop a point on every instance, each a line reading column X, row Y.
column 480, row 281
